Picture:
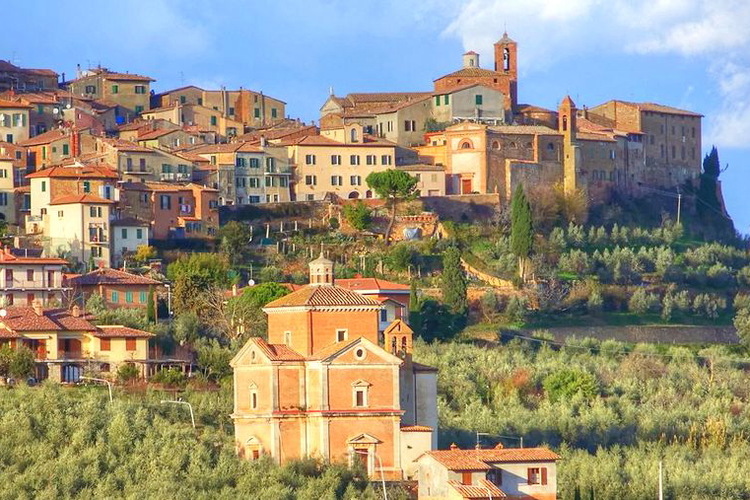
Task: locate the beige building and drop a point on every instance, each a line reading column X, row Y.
column 66, row 344
column 252, row 109
column 14, row 121
column 482, row 474
column 196, row 115
column 7, row 189
column 24, row 279
column 323, row 165
column 132, row 92
column 473, row 103
column 430, row 178
column 246, row 173
column 138, row 163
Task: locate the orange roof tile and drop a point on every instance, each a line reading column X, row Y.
column 108, row 276
column 13, row 105
column 374, row 284
column 484, row 490
column 322, row 295
column 26, row 319
column 458, row 459
column 46, row 137
column 472, row 73
column 98, row 171
column 278, row 352
column 119, row 331
column 79, row 198
column 7, row 258
column 416, row 428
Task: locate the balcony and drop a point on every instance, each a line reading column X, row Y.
column 174, row 176
column 71, row 355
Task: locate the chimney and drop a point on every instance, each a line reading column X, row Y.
column 75, row 311
column 38, row 309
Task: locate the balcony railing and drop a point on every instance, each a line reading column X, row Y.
column 21, row 284
column 71, row 355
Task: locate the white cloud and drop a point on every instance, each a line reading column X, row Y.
column 716, row 31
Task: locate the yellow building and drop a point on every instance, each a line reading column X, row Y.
column 324, row 165
column 14, row 121
column 132, row 92
column 206, row 119
column 66, row 344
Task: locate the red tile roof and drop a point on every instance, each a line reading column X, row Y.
column 278, row 352
column 416, row 428
column 155, row 134
column 457, row 459
column 111, row 75
column 374, row 284
column 123, row 145
column 108, row 276
column 484, row 490
column 98, row 171
column 322, row 295
column 24, row 319
column 46, row 138
column 472, row 73
column 119, row 331
column 7, row 258
column 80, row 198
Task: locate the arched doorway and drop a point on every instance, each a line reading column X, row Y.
column 353, row 195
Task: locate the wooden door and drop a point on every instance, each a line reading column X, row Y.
column 465, row 186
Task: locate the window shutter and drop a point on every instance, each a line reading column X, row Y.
column 544, row 475
column 528, row 476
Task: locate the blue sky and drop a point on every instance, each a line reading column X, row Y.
column 693, row 54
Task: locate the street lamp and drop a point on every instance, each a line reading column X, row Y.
column 380, row 465
column 109, row 384
column 181, row 402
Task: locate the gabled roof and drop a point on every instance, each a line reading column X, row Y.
column 99, row 171
column 13, row 105
column 469, row 460
column 24, row 319
column 8, row 258
column 80, row 198
column 472, row 73
column 123, row 145
column 232, row 147
column 278, row 352
column 155, row 134
column 46, row 137
column 653, row 107
column 322, row 295
column 119, row 331
column 330, row 352
column 111, row 75
column 108, row 276
column 372, row 284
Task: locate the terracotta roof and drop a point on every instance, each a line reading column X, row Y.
column 79, row 198
column 24, row 319
column 320, row 140
column 190, row 156
column 421, row 167
column 46, row 137
column 119, row 331
column 155, row 134
column 322, row 295
column 358, row 98
column 98, row 171
column 123, row 145
column 7, row 258
column 13, row 104
column 108, row 276
column 416, row 428
column 484, row 490
column 370, row 284
column 129, row 221
column 461, row 460
column 278, row 352
column 332, row 349
column 232, row 147
column 530, row 108
column 111, row 75
column 594, row 136
column 661, row 108
column 524, row 130
column 472, row 73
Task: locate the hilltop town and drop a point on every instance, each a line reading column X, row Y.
column 423, row 294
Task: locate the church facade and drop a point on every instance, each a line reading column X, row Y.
column 328, row 384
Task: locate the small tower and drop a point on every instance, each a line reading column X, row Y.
column 471, row 59
column 321, row 271
column 399, row 339
column 506, row 62
column 566, row 125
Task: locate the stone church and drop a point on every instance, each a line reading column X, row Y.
column 327, row 384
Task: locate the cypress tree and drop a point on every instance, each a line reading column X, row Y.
column 151, row 306
column 414, row 309
column 454, row 283
column 521, row 230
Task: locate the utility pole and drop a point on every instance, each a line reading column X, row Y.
column 679, row 206
column 661, row 481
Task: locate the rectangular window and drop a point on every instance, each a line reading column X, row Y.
column 140, row 89
column 354, row 159
column 115, row 89
column 273, row 113
column 130, row 344
column 385, row 159
column 355, row 180
column 90, row 89
column 165, row 202
column 359, row 397
column 124, row 233
column 139, row 109
column 269, row 181
column 447, row 99
column 86, row 186
column 256, row 113
column 254, row 163
column 311, row 180
column 129, row 297
column 335, row 180
column 4, row 199
column 29, row 275
column 310, row 159
column 283, row 182
column 371, row 159
column 231, row 112
column 478, row 99
column 115, row 297
column 66, row 149
column 254, row 400
column 143, row 297
column 44, row 186
column 341, row 335
column 383, row 315
column 437, row 100
column 104, row 344
column 213, row 121
column 536, row 475
column 466, row 478
column 335, row 159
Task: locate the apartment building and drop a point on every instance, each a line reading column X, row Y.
column 25, row 279
column 117, row 288
column 131, row 91
column 14, row 121
column 15, row 78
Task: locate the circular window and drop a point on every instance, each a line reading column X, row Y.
column 359, row 353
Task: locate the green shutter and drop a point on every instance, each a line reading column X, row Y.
column 129, row 297
column 115, row 297
column 447, row 99
column 478, row 99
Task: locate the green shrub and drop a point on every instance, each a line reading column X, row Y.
column 128, row 372
column 568, row 382
column 169, row 376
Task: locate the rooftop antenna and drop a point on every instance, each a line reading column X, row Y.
column 330, row 90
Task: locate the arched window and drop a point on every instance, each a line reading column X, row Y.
column 513, row 145
column 354, row 135
column 466, row 144
column 506, row 59
column 368, row 194
column 495, row 145
column 565, row 123
column 551, row 146
column 403, row 344
column 393, row 345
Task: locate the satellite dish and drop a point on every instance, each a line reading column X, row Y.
column 3, row 313
column 249, row 283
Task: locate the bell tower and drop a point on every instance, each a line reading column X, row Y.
column 398, row 339
column 566, row 125
column 321, row 271
column 506, row 62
